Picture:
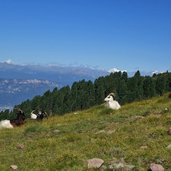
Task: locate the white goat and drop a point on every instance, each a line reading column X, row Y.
column 39, row 116
column 33, row 115
column 111, row 103
column 5, row 124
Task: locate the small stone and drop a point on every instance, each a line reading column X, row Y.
column 20, row 146
column 14, row 167
column 156, row 167
column 100, row 132
column 144, row 147
column 95, row 163
column 169, row 146
column 166, row 109
column 56, row 131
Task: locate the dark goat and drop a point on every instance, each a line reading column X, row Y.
column 19, row 119
column 15, row 122
column 40, row 116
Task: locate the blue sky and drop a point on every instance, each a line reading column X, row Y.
column 123, row 34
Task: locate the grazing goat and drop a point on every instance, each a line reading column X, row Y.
column 15, row 122
column 111, row 103
column 39, row 116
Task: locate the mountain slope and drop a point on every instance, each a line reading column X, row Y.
column 137, row 134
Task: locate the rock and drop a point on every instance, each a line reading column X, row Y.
column 95, row 163
column 166, row 109
column 100, row 132
column 20, row 146
column 144, row 147
column 169, row 131
column 56, row 131
column 156, row 167
column 14, row 167
column 169, row 146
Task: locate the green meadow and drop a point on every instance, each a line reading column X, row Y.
column 137, row 134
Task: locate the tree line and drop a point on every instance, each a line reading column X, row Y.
column 84, row 94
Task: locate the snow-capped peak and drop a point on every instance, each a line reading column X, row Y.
column 157, row 72
column 8, row 61
column 113, row 70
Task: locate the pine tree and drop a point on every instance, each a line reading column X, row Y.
column 148, row 87
column 99, row 90
column 160, row 84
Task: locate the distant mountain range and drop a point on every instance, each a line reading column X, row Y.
column 22, row 82
column 63, row 75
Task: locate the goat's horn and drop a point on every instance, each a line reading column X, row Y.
column 20, row 110
column 32, row 112
column 112, row 94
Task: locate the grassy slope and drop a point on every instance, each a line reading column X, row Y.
column 67, row 142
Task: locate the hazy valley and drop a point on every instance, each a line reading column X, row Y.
column 21, row 82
